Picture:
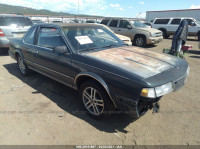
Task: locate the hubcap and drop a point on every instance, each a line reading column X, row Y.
column 93, row 101
column 21, row 65
column 139, row 41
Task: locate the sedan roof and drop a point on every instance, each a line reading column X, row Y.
column 68, row 24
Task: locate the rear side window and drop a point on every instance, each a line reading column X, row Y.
column 105, row 22
column 161, row 21
column 19, row 21
column 176, row 21
column 113, row 23
column 50, row 38
column 30, row 36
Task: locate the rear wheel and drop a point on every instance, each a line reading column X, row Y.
column 199, row 37
column 164, row 32
column 95, row 100
column 140, row 41
column 24, row 70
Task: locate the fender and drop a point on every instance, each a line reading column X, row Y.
column 98, row 79
column 17, row 51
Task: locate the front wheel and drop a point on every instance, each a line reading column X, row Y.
column 140, row 41
column 199, row 37
column 95, row 100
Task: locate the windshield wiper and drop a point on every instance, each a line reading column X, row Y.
column 110, row 46
column 88, row 49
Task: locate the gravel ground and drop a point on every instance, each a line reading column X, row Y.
column 39, row 111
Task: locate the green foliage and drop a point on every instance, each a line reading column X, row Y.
column 9, row 9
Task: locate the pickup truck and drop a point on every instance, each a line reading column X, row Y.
column 107, row 73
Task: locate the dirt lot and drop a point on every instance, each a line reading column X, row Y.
column 38, row 110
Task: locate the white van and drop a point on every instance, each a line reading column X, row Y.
column 169, row 25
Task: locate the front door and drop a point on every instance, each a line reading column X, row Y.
column 49, row 61
column 124, row 30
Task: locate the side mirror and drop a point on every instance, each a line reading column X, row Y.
column 129, row 26
column 60, row 49
column 192, row 24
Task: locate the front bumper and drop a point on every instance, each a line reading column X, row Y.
column 154, row 40
column 135, row 107
column 4, row 42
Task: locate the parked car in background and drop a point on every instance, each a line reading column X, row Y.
column 107, row 73
column 37, row 21
column 148, row 24
column 135, row 30
column 169, row 25
column 57, row 22
column 125, row 39
column 12, row 26
column 92, row 21
column 199, row 44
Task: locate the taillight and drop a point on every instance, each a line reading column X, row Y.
column 1, row 33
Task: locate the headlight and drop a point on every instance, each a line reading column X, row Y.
column 164, row 89
column 157, row 91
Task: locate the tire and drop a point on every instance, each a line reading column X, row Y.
column 140, row 41
column 165, row 36
column 95, row 100
column 24, row 70
column 199, row 37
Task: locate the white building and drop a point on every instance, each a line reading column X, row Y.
column 193, row 13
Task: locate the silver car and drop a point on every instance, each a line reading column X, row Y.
column 12, row 26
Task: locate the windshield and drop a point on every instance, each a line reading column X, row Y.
column 138, row 24
column 20, row 21
column 90, row 37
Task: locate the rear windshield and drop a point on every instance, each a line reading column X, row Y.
column 21, row 21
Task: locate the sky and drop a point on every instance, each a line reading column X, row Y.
column 108, row 8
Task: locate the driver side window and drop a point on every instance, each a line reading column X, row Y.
column 190, row 22
column 123, row 24
column 50, row 38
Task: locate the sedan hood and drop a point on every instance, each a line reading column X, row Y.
column 142, row 63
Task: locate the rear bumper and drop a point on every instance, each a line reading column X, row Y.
column 154, row 40
column 4, row 42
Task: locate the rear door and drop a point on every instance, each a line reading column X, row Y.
column 173, row 25
column 54, row 64
column 13, row 26
column 113, row 25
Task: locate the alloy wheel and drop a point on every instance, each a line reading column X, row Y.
column 139, row 41
column 93, row 101
column 21, row 65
